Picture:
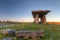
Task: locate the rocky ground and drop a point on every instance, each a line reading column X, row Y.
column 52, row 31
column 25, row 34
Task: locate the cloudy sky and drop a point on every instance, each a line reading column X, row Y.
column 21, row 10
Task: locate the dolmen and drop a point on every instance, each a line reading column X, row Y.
column 40, row 14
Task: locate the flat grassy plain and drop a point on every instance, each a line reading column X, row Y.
column 52, row 31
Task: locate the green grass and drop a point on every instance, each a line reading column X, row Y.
column 51, row 30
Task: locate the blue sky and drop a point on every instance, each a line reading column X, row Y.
column 21, row 10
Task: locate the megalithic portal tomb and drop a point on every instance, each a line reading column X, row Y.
column 40, row 14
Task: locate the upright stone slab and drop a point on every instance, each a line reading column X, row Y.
column 36, row 19
column 43, row 19
column 40, row 14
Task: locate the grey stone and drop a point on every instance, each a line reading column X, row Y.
column 8, row 31
column 8, row 38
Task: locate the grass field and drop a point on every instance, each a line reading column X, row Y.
column 52, row 31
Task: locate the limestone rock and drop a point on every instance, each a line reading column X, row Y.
column 8, row 31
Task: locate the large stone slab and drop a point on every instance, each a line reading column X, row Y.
column 30, row 34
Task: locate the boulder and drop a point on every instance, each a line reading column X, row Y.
column 8, row 38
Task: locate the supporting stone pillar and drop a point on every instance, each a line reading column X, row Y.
column 36, row 19
column 43, row 19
